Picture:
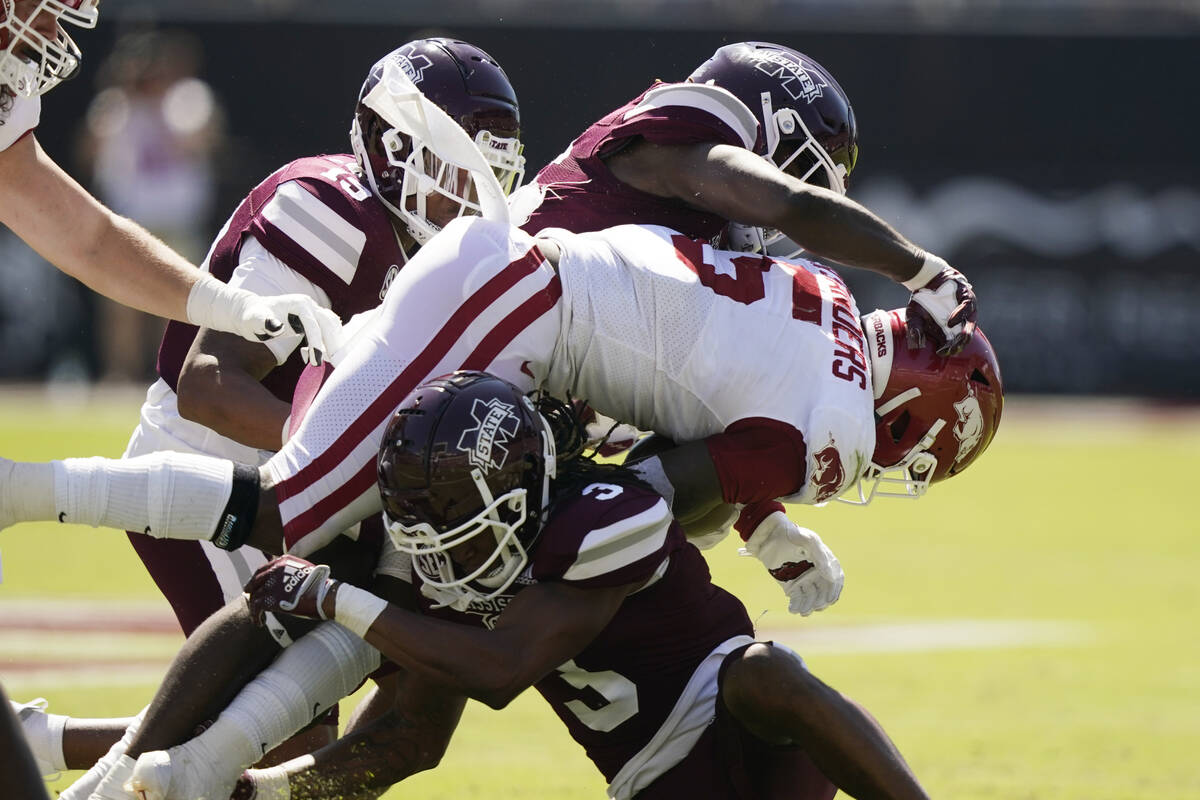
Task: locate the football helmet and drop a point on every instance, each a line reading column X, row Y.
column 934, row 416
column 807, row 125
column 32, row 62
column 405, row 151
column 466, row 455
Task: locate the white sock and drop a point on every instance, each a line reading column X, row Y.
column 166, row 495
column 83, row 787
column 308, row 678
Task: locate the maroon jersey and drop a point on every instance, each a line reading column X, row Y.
column 577, row 191
column 615, row 694
column 317, row 218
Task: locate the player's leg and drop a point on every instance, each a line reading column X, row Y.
column 60, row 742
column 770, row 692
column 18, row 771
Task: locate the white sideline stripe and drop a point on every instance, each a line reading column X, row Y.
column 924, row 636
column 17, row 682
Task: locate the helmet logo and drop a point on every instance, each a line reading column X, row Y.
column 484, row 444
column 799, row 83
column 827, row 473
column 414, row 68
column 969, row 428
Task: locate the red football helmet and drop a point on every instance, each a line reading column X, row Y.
column 934, row 416
column 466, row 455
column 31, row 61
column 402, row 164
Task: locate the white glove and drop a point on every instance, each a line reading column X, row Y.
column 216, row 305
column 799, row 561
column 943, row 304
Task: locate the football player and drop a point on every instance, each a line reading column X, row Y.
column 752, row 361
column 72, row 230
column 760, row 136
column 567, row 576
column 336, row 228
column 760, row 365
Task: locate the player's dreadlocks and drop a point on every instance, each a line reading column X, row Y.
column 576, row 468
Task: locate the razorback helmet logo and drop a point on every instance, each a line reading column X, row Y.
column 485, row 443
column 968, row 430
column 827, row 473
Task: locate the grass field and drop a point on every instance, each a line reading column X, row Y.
column 1030, row 630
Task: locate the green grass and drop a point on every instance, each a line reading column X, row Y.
column 1086, row 521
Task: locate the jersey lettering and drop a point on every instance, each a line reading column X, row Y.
column 348, row 181
column 603, row 491
column 605, row 699
column 745, row 285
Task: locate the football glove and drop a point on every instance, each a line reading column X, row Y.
column 807, row 571
column 216, row 305
column 942, row 305
column 289, row 585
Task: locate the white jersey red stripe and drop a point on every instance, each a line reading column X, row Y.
column 466, row 301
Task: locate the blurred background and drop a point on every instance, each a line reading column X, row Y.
column 1023, row 633
column 1045, row 147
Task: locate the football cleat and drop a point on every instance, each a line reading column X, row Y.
column 43, row 733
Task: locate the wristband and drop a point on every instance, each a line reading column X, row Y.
column 356, row 609
column 929, row 270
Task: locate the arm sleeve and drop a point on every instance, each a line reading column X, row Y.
column 758, row 459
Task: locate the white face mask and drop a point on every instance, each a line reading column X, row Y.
column 32, row 64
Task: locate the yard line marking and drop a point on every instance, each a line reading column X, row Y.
column 924, row 636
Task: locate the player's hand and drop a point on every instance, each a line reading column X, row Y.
column 808, row 571
column 262, row 319
column 942, row 305
column 289, row 585
column 216, row 305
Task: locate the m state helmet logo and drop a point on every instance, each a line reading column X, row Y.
column 414, row 67
column 968, row 430
column 826, row 472
column 798, row 82
column 484, row 444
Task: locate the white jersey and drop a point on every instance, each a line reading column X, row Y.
column 649, row 327
column 675, row 337
column 21, row 116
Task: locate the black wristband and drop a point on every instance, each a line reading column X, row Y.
column 237, row 520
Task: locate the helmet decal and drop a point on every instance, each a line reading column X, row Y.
column 414, row 67
column 968, row 430
column 484, row 444
column 798, row 82
column 827, row 472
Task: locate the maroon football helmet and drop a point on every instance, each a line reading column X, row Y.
column 402, row 168
column 934, row 416
column 466, row 455
column 31, row 62
column 807, row 126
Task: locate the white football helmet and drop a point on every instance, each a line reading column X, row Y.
column 32, row 59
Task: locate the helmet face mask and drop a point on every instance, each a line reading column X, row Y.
column 32, row 63
column 437, row 134
column 464, row 473
column 934, row 416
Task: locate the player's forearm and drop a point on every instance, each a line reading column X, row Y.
column 231, row 402
column 834, row 227
column 474, row 662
